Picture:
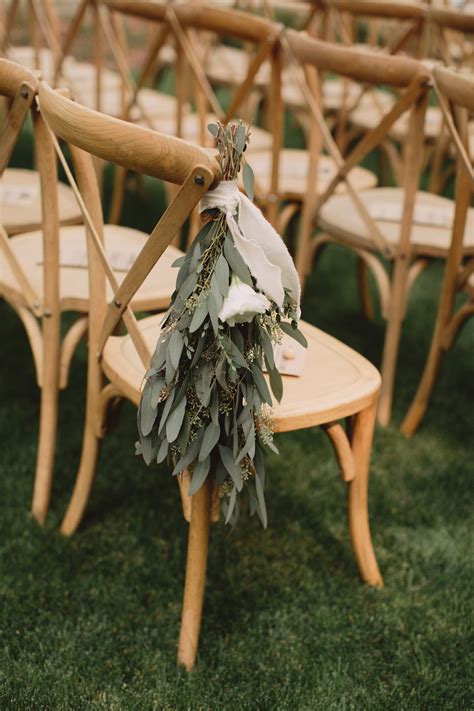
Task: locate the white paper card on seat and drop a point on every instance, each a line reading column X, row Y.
column 76, row 257
column 18, row 195
column 289, row 357
column 431, row 216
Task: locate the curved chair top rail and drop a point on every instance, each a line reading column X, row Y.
column 458, row 88
column 134, row 147
column 360, row 65
column 452, row 19
column 375, row 8
column 13, row 75
column 223, row 21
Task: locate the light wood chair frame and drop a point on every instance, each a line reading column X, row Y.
column 456, row 98
column 183, row 21
column 414, row 81
column 138, row 149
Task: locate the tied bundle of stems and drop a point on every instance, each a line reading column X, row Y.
column 206, row 405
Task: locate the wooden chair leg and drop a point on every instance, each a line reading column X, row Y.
column 120, row 182
column 362, row 434
column 48, row 420
column 420, row 402
column 90, row 450
column 392, row 339
column 364, row 290
column 195, row 577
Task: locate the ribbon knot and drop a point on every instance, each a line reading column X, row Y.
column 258, row 243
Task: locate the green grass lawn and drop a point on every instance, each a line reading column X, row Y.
column 92, row 622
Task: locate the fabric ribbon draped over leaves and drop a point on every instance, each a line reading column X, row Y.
column 206, row 405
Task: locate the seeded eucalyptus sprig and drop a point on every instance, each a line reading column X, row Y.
column 206, row 405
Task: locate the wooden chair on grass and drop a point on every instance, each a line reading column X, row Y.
column 337, row 383
column 43, row 273
column 456, row 95
column 401, row 225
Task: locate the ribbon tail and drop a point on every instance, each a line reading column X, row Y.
column 267, row 275
column 257, row 230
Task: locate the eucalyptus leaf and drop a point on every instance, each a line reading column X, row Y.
column 175, row 420
column 175, row 347
column 249, row 180
column 211, row 438
column 199, row 314
column 147, row 413
column 233, row 469
column 261, row 383
column 262, row 509
column 162, row 451
column 166, row 410
column 222, row 275
column 235, row 261
column 276, row 382
column 231, row 504
column 157, row 385
column 201, row 470
column 190, row 456
column 294, row 333
column 267, row 348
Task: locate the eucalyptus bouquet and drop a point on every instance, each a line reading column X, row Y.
column 206, row 405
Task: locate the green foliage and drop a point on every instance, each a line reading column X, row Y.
column 203, row 402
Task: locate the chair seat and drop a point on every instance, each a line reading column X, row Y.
column 340, row 218
column 369, row 112
column 259, row 140
column 294, row 165
column 336, row 381
column 122, row 244
column 20, row 201
column 228, row 66
column 154, row 103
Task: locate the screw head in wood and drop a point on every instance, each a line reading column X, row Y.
column 199, row 180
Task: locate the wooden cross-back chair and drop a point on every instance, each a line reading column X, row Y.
column 186, row 22
column 43, row 29
column 451, row 31
column 403, row 225
column 456, row 95
column 43, row 273
column 342, row 386
column 21, row 198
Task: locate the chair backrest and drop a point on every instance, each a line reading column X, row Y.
column 406, row 20
column 410, row 78
column 447, row 25
column 89, row 133
column 187, row 22
column 455, row 95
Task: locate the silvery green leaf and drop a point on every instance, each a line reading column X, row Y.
column 159, row 355
column 191, row 454
column 214, row 406
column 213, row 312
column 294, row 333
column 166, row 409
column 222, row 275
column 238, row 339
column 183, row 438
column 233, row 469
column 276, row 382
column 199, row 314
column 240, row 139
column 179, row 262
column 231, row 504
column 261, row 384
column 249, row 446
column 221, row 473
column 201, row 470
column 186, row 290
column 267, row 348
column 175, row 347
column 235, row 261
column 211, row 438
column 248, row 178
column 234, row 352
column 175, row 420
column 147, row 413
column 202, row 384
column 162, row 451
column 220, row 373
column 213, row 129
column 170, row 369
column 199, row 349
